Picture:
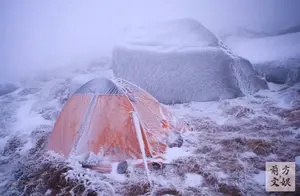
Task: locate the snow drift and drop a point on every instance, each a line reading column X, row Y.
column 181, row 61
column 276, row 58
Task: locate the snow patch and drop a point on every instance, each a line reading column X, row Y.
column 32, row 120
column 272, row 157
column 114, row 175
column 48, row 192
column 193, row 180
column 222, row 175
column 248, row 154
column 260, row 178
column 174, row 153
column 289, row 97
column 27, row 146
column 275, row 87
column 201, row 110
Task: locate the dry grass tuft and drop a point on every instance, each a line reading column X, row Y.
column 259, row 146
column 166, row 191
column 136, row 188
column 291, row 115
column 187, row 165
column 239, row 111
column 229, row 189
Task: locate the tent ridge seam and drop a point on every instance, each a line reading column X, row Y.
column 82, row 126
column 118, row 80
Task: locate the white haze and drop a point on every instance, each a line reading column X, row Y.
column 39, row 35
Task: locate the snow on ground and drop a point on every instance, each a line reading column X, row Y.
column 193, row 180
column 277, row 58
column 260, row 178
column 223, row 154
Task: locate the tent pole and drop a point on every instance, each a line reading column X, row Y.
column 141, row 143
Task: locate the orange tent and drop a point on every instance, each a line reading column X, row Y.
column 99, row 118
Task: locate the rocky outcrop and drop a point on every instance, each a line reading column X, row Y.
column 182, row 61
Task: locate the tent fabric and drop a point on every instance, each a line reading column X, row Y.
column 97, row 118
column 99, row 86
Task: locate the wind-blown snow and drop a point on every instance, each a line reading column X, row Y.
column 32, row 120
column 185, row 65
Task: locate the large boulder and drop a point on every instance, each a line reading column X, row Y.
column 276, row 58
column 181, row 61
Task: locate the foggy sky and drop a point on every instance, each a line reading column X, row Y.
column 38, row 34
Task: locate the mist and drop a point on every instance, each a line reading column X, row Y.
column 40, row 35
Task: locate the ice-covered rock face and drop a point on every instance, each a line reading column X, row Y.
column 281, row 71
column 181, row 62
column 276, row 58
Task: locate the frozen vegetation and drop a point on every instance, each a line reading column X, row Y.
column 155, row 58
column 223, row 154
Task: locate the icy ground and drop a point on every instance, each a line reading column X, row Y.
column 224, row 154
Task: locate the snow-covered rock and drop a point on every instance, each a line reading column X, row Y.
column 7, row 88
column 276, row 58
column 181, row 61
column 175, row 140
column 289, row 97
column 177, row 34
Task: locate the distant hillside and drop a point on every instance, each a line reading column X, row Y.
column 293, row 29
column 251, row 33
column 245, row 32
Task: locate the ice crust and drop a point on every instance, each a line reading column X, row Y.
column 189, row 65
